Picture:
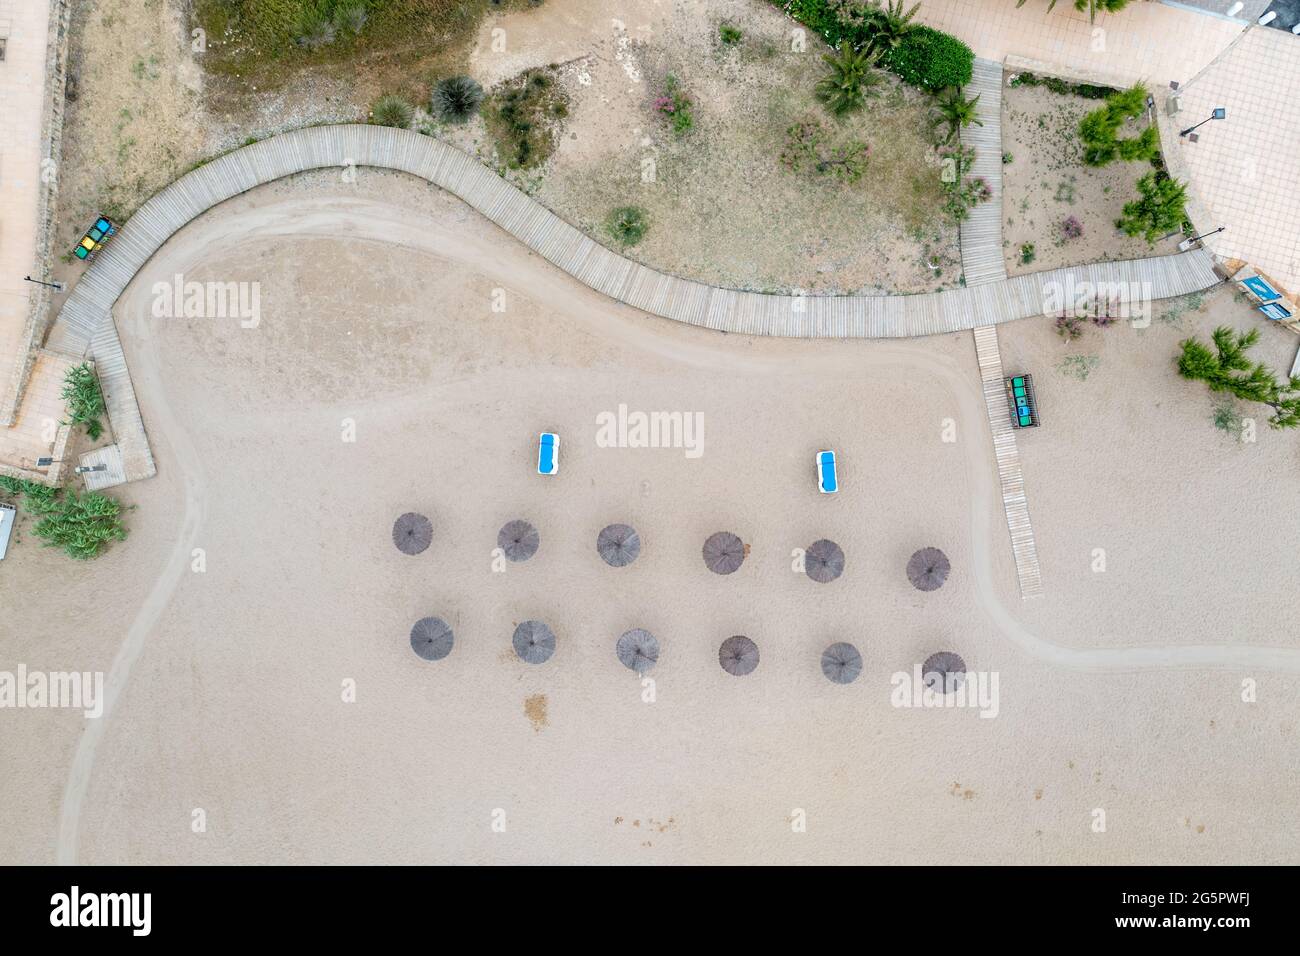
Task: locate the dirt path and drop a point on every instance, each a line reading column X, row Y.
column 171, row 434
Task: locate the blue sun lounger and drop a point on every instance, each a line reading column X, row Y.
column 548, row 453
column 827, row 481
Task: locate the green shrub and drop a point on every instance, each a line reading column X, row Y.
column 818, row 16
column 1063, row 87
column 392, row 110
column 523, row 115
column 456, row 98
column 962, row 191
column 806, row 146
column 79, row 524
column 313, row 28
column 37, row 498
column 918, row 54
column 1069, row 327
column 1099, row 130
column 82, row 525
column 676, row 105
column 85, row 399
column 1227, row 418
column 1158, row 210
column 729, row 35
column 1027, row 253
column 931, row 60
column 627, row 225
column 350, row 16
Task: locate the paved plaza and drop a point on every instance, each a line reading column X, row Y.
column 1244, row 168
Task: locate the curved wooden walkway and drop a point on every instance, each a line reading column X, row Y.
column 644, row 288
column 84, row 326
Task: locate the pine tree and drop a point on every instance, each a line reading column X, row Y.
column 1158, row 210
column 1227, row 368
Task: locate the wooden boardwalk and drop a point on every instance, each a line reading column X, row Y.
column 134, row 455
column 982, row 261
column 644, row 288
column 1008, row 458
column 84, row 327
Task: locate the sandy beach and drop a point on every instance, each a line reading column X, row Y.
column 377, row 319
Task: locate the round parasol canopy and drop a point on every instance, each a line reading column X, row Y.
column 638, row 649
column 519, row 540
column 943, row 672
column 618, row 545
column 928, row 569
column 534, row 642
column 738, row 655
column 431, row 638
column 841, row 663
column 723, row 552
column 412, row 533
column 824, row 561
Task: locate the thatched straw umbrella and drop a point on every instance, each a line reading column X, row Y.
column 841, row 663
column 824, row 561
column 638, row 649
column 412, row 533
column 723, row 552
column 738, row 655
column 943, row 672
column 534, row 642
column 618, row 544
column 431, row 638
column 519, row 540
column 928, row 569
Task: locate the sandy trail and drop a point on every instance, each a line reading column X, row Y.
column 364, row 220
column 190, row 469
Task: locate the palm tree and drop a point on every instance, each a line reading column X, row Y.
column 850, row 80
column 891, row 23
column 957, row 111
column 1089, row 7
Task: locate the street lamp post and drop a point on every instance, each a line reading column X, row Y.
column 56, row 286
column 1218, row 114
column 1188, row 243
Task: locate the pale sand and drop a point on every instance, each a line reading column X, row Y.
column 721, row 206
column 376, row 308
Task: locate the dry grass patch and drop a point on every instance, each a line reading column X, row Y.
column 725, row 207
column 1046, row 183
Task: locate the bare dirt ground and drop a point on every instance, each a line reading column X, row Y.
column 1046, row 182
column 134, row 119
column 721, row 206
column 229, row 681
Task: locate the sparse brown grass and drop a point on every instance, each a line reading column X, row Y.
column 728, row 211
